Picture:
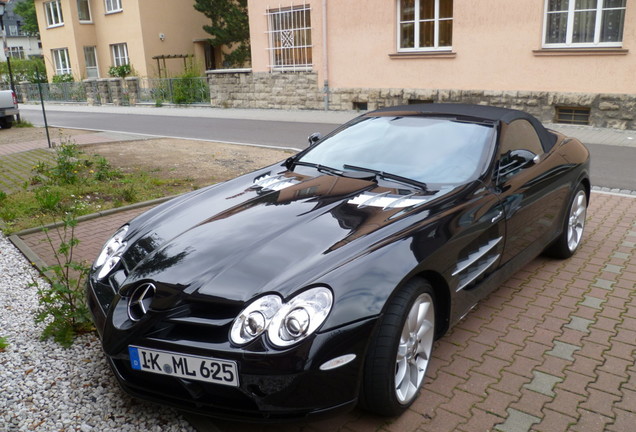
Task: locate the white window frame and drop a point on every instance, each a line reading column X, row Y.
column 61, row 61
column 92, row 51
column 16, row 52
column 119, row 53
column 283, row 25
column 112, row 6
column 416, row 28
column 53, row 13
column 90, row 13
column 570, row 27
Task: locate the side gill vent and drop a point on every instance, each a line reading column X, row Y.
column 274, row 183
column 477, row 263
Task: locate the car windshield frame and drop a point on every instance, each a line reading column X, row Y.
column 458, row 150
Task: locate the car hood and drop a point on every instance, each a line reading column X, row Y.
column 268, row 231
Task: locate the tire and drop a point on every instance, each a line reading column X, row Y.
column 573, row 226
column 6, row 122
column 400, row 351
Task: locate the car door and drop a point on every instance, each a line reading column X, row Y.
column 528, row 190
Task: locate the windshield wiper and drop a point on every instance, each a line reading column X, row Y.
column 388, row 176
column 321, row 168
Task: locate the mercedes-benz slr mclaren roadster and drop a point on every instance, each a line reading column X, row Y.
column 322, row 282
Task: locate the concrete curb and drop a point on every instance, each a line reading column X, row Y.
column 97, row 215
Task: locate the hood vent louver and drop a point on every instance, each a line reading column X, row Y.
column 274, row 182
column 387, row 201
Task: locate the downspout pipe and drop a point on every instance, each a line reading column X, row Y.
column 325, row 55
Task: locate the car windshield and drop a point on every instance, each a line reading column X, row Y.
column 425, row 149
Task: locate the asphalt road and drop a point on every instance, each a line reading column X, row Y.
column 261, row 132
column 612, row 166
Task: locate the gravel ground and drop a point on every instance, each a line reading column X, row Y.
column 45, row 387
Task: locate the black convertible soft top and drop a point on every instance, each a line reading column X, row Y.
column 475, row 112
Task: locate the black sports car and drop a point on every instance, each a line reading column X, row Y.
column 322, row 282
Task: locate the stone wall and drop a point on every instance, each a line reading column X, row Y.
column 301, row 90
column 281, row 90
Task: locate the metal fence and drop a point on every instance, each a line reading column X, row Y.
column 184, row 91
column 56, row 92
column 174, row 90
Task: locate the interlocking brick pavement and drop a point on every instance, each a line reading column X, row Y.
column 80, row 139
column 552, row 349
column 92, row 234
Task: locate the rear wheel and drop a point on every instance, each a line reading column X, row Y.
column 6, row 122
column 570, row 239
column 400, row 350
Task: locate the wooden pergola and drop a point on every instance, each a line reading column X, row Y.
column 161, row 59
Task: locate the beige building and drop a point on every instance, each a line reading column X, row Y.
column 86, row 37
column 555, row 58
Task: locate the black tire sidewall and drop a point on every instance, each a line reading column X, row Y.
column 559, row 248
column 378, row 387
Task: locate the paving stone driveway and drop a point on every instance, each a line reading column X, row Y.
column 551, row 350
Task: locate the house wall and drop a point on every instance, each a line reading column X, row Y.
column 496, row 46
column 58, row 37
column 181, row 25
column 138, row 25
column 496, row 58
column 29, row 44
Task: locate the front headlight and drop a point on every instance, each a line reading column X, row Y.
column 285, row 323
column 300, row 317
column 111, row 253
column 254, row 319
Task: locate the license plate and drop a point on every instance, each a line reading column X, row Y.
column 184, row 366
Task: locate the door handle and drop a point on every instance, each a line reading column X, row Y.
column 497, row 217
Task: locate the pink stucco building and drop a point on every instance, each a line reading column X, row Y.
column 557, row 58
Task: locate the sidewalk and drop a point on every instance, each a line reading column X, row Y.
column 80, row 139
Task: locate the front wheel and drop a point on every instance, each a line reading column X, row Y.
column 572, row 233
column 400, row 351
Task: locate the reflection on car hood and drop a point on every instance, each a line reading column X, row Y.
column 265, row 231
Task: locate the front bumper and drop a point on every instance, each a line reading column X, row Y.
column 273, row 385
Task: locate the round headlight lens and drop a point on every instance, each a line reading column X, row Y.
column 108, row 266
column 254, row 319
column 296, row 322
column 300, row 317
column 111, row 252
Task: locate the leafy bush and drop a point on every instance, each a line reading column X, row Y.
column 63, row 78
column 189, row 87
column 48, row 200
column 31, row 70
column 62, row 304
column 187, row 90
column 120, row 71
column 104, row 171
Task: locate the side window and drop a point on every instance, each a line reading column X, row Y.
column 518, row 145
column 519, row 135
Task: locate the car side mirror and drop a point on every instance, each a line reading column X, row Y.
column 314, row 138
column 524, row 158
column 515, row 160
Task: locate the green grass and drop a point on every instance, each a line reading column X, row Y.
column 79, row 184
column 23, row 124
